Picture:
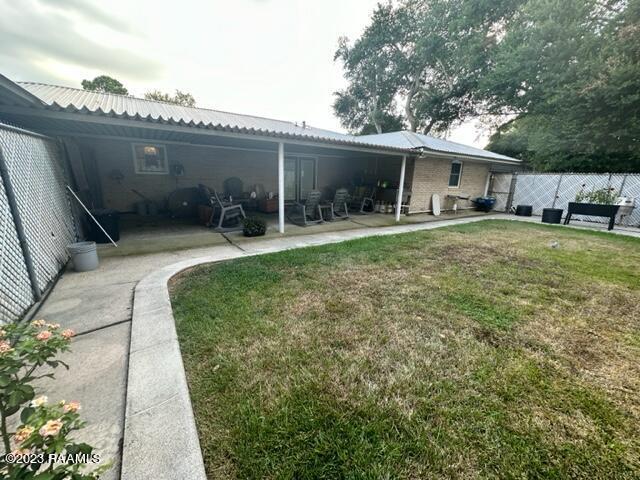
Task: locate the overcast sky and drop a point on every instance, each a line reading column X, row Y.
column 271, row 58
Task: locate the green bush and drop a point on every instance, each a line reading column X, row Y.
column 254, row 227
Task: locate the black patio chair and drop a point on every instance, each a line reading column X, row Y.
column 338, row 209
column 363, row 200
column 225, row 216
column 233, row 188
column 307, row 213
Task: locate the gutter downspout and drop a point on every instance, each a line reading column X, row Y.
column 22, row 238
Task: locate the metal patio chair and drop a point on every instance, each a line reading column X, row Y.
column 363, row 200
column 234, row 189
column 307, row 213
column 338, row 209
column 225, row 216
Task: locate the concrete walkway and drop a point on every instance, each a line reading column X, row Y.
column 98, row 305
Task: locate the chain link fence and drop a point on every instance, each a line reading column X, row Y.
column 37, row 222
column 556, row 190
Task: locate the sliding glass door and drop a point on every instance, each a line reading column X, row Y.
column 299, row 177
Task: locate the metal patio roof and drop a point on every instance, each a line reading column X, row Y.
column 412, row 140
column 73, row 100
column 127, row 107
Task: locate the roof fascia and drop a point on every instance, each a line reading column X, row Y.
column 22, row 96
column 462, row 156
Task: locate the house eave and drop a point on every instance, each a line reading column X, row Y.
column 13, row 94
column 99, row 118
column 425, row 153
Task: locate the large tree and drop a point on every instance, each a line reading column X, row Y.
column 418, row 63
column 569, row 73
column 180, row 98
column 105, row 84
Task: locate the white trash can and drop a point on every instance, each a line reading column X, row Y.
column 84, row 256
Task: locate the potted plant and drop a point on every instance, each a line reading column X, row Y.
column 596, row 203
column 253, row 227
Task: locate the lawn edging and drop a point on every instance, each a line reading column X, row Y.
column 160, row 436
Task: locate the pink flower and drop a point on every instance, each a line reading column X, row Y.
column 5, row 347
column 44, row 336
column 3, row 333
column 51, row 428
column 23, row 433
column 72, row 407
column 38, row 323
column 53, row 326
column 68, row 333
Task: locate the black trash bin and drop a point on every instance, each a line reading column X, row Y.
column 551, row 215
column 110, row 221
column 524, row 210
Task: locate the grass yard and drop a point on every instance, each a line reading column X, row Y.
column 476, row 351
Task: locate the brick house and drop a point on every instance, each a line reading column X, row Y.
column 122, row 148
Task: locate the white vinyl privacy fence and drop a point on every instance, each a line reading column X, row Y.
column 556, row 190
column 36, row 220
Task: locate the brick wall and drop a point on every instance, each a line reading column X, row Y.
column 431, row 175
column 210, row 166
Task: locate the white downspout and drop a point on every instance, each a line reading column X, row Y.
column 401, row 188
column 281, row 187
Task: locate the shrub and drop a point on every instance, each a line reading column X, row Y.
column 40, row 447
column 254, row 227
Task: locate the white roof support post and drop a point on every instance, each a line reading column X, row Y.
column 488, row 182
column 281, row 187
column 401, row 187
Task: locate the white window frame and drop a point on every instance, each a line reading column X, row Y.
column 165, row 171
column 455, row 162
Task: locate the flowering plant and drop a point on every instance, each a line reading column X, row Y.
column 40, row 447
column 604, row 196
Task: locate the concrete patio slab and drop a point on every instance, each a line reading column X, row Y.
column 163, row 242
column 84, row 309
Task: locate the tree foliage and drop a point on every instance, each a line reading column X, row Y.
column 560, row 79
column 569, row 70
column 418, row 63
column 180, row 98
column 105, row 84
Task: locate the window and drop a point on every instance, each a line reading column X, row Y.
column 456, row 173
column 150, row 159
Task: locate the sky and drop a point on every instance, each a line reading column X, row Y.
column 271, row 58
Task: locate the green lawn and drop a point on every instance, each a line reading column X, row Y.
column 476, row 351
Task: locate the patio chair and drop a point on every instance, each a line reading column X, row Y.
column 338, row 209
column 226, row 217
column 363, row 200
column 307, row 213
column 234, row 189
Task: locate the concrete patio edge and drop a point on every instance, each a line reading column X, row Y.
column 160, row 435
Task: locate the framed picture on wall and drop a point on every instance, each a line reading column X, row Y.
column 150, row 159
